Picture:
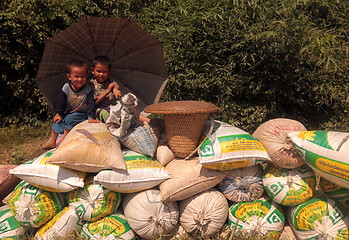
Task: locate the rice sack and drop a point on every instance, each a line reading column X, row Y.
column 163, row 152
column 243, row 184
column 203, row 214
column 10, row 228
column 319, row 218
column 289, row 186
column 142, row 173
column 326, row 152
column 32, row 206
column 188, row 178
column 339, row 194
column 113, row 226
column 66, row 223
column 89, row 148
column 49, row 177
column 229, row 147
column 259, row 218
column 93, row 201
column 273, row 135
column 148, row 216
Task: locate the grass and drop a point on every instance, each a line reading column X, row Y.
column 19, row 143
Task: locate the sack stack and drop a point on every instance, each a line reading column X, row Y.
column 94, row 187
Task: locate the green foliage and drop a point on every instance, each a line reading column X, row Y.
column 254, row 59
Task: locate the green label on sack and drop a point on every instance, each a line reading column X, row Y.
column 207, row 149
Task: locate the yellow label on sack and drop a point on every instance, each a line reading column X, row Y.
column 241, row 145
column 249, row 209
column 310, row 213
column 140, row 163
column 226, row 166
column 112, row 223
column 332, row 167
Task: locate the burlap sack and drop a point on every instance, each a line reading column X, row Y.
column 204, row 214
column 89, row 147
column 273, row 135
column 148, row 216
column 189, row 177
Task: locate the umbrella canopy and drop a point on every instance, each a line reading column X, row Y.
column 137, row 57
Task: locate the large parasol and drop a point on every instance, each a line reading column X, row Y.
column 137, row 58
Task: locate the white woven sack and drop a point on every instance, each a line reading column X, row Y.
column 32, row 206
column 10, row 227
column 319, row 218
column 148, row 216
column 203, row 214
column 326, row 152
column 49, row 177
column 229, row 147
column 142, row 173
column 113, row 226
column 273, row 135
column 94, row 201
column 62, row 225
column 289, row 187
column 259, row 219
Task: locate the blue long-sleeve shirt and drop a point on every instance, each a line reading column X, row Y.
column 76, row 101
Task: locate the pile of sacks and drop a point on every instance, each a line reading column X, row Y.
column 135, row 187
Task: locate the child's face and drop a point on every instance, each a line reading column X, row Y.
column 77, row 77
column 101, row 73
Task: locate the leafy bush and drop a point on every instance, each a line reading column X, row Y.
column 254, row 59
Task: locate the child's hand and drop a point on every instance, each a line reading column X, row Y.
column 117, row 93
column 57, row 118
column 93, row 121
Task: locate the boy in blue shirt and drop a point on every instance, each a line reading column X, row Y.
column 76, row 103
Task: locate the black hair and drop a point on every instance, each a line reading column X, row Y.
column 102, row 60
column 75, row 63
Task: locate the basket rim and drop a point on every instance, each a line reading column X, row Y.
column 181, row 107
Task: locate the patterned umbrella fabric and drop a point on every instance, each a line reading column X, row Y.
column 137, row 57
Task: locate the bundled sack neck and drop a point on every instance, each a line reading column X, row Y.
column 123, row 115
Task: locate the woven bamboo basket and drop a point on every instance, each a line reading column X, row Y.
column 184, row 122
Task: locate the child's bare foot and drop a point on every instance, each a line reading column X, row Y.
column 48, row 146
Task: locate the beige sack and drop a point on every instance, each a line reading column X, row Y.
column 204, row 214
column 189, row 177
column 273, row 135
column 148, row 216
column 163, row 153
column 89, row 147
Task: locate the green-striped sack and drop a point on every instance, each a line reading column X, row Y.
column 289, row 187
column 326, row 152
column 229, row 147
column 335, row 192
column 113, row 226
column 142, row 173
column 10, row 228
column 93, row 201
column 32, row 206
column 318, row 219
column 260, row 219
column 65, row 224
column 49, row 177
